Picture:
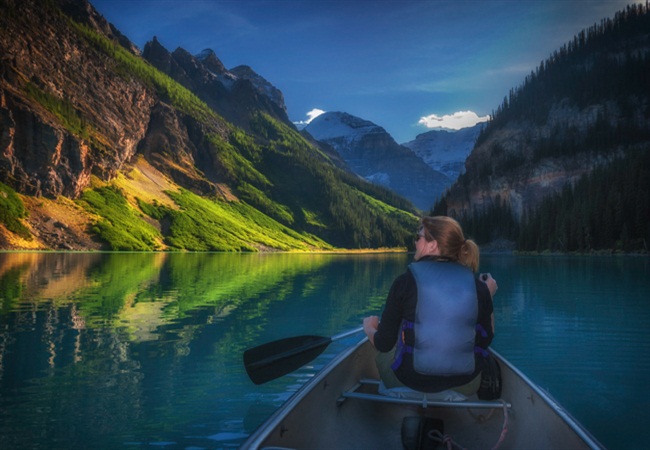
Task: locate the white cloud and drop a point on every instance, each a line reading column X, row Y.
column 314, row 113
column 455, row 121
column 311, row 115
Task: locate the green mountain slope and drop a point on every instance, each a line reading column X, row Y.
column 149, row 165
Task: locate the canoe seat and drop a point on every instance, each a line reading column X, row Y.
column 410, row 397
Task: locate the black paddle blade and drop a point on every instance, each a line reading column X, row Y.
column 275, row 359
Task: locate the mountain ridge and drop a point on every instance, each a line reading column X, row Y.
column 372, row 153
column 446, row 150
column 85, row 120
column 81, row 110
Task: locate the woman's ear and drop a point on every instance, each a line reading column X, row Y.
column 432, row 248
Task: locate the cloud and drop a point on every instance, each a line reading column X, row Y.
column 311, row 115
column 455, row 121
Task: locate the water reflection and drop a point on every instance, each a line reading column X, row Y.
column 114, row 350
column 132, row 349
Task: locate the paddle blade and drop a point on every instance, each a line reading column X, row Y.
column 275, row 359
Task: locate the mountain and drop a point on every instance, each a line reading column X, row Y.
column 233, row 94
column 106, row 147
column 446, row 150
column 563, row 165
column 374, row 155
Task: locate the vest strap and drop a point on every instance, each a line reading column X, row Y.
column 401, row 344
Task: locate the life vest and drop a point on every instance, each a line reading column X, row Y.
column 445, row 320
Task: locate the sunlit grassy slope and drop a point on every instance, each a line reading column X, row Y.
column 11, row 211
column 132, row 216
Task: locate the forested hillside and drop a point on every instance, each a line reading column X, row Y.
column 563, row 164
column 607, row 209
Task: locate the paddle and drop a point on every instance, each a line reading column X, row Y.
column 272, row 360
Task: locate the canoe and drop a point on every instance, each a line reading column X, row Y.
column 340, row 408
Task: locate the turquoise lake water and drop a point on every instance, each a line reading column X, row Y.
column 126, row 351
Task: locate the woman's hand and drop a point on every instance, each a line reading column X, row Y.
column 491, row 283
column 370, row 325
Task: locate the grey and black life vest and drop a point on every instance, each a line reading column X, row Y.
column 445, row 320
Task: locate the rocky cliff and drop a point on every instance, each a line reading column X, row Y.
column 43, row 95
column 234, row 94
column 503, row 166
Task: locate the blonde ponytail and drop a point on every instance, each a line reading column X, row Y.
column 469, row 255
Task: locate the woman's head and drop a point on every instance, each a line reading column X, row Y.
column 451, row 242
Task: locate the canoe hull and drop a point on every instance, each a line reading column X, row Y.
column 315, row 418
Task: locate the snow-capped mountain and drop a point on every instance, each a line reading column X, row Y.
column 446, row 150
column 373, row 154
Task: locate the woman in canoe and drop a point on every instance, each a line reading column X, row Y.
column 438, row 318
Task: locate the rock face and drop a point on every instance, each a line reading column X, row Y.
column 505, row 166
column 54, row 81
column 373, row 154
column 74, row 111
column 174, row 144
column 233, row 94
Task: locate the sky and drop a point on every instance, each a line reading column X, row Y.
column 409, row 66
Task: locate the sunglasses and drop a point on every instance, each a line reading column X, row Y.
column 418, row 236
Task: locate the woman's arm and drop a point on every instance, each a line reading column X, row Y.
column 383, row 333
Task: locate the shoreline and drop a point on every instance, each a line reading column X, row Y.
column 484, row 252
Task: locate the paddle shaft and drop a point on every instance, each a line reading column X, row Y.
column 346, row 334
